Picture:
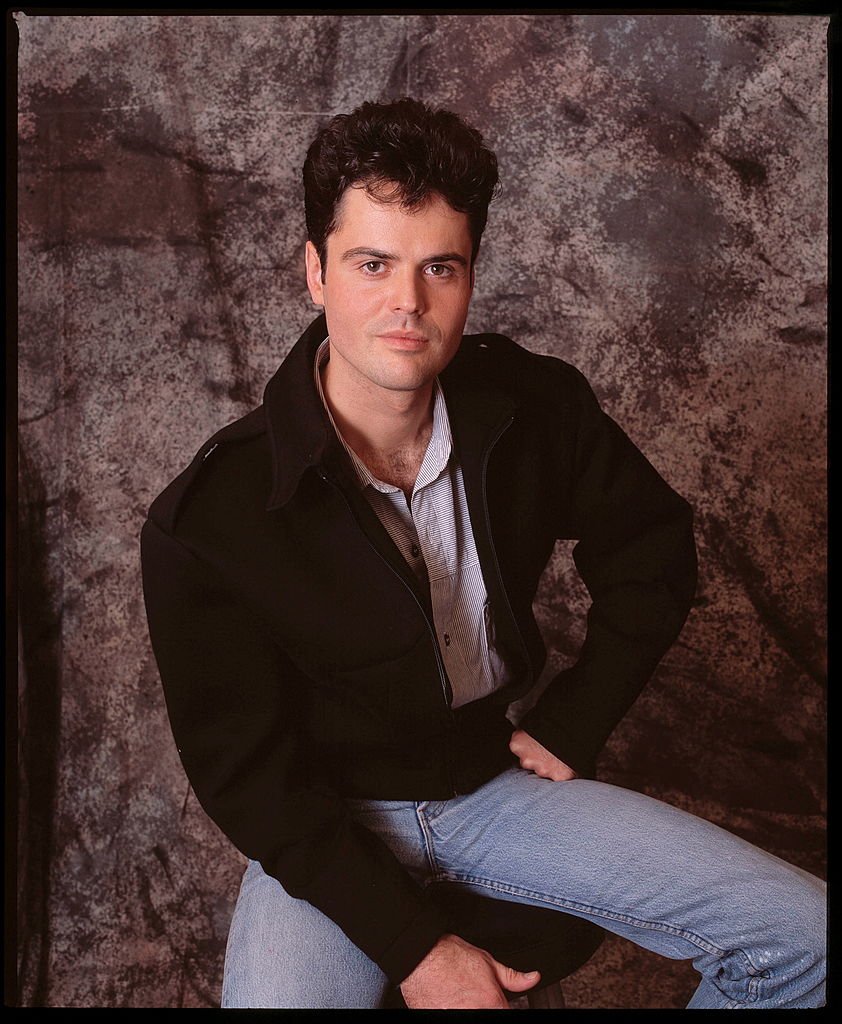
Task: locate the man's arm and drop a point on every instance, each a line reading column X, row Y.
column 232, row 698
column 637, row 557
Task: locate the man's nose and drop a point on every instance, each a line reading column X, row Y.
column 408, row 292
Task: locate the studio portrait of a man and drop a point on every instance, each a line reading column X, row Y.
column 422, row 482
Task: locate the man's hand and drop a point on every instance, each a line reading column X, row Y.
column 455, row 975
column 535, row 758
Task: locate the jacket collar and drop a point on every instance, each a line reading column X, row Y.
column 299, row 430
column 301, row 435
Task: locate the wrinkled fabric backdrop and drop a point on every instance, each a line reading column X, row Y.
column 662, row 226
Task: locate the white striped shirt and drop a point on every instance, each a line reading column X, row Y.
column 434, row 533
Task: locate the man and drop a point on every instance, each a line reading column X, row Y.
column 339, row 595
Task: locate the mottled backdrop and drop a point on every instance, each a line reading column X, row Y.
column 662, row 226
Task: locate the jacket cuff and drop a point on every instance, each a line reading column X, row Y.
column 568, row 745
column 413, row 944
column 581, row 707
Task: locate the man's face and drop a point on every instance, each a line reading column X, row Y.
column 396, row 291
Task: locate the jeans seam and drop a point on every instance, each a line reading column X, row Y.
column 587, row 908
column 428, row 841
column 226, row 972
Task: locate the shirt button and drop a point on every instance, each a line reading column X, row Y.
column 415, row 551
column 447, row 639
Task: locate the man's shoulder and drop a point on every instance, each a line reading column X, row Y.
column 497, row 359
column 237, row 450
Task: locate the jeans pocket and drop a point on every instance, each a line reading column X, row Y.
column 431, row 809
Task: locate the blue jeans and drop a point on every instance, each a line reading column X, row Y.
column 752, row 924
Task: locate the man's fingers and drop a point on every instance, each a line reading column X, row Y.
column 515, row 981
column 534, row 757
column 556, row 773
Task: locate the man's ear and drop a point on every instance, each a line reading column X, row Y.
column 314, row 274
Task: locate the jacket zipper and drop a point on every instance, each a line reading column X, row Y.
column 445, row 686
column 484, row 491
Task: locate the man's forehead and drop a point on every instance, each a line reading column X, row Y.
column 363, row 197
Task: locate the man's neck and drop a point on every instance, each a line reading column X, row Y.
column 374, row 420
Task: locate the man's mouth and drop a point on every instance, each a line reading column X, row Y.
column 404, row 339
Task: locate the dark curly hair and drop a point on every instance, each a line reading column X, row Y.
column 401, row 152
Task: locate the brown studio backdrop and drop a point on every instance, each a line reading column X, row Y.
column 662, row 226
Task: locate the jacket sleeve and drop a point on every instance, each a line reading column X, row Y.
column 231, row 698
column 637, row 557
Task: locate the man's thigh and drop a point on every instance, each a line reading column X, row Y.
column 283, row 953
column 666, row 879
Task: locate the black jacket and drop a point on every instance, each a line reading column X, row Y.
column 295, row 644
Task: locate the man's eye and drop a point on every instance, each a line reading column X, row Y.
column 373, row 266
column 438, row 270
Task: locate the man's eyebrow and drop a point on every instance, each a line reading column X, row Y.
column 447, row 257
column 363, row 250
column 377, row 254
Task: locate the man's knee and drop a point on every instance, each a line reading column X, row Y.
column 283, row 953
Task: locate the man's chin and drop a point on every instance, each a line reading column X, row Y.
column 404, row 386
